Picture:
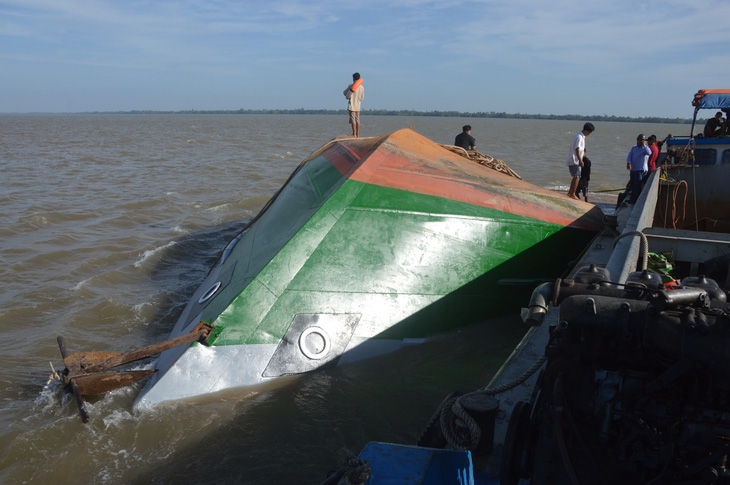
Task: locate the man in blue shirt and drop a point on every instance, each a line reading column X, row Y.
column 636, row 163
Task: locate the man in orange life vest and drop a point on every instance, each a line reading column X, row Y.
column 355, row 93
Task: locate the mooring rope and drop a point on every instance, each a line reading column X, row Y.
column 521, row 379
column 460, row 430
column 483, row 159
column 458, row 427
column 353, row 471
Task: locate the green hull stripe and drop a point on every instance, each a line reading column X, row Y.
column 424, row 262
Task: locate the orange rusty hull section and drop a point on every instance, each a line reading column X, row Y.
column 408, row 161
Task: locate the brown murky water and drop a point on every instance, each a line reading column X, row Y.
column 109, row 222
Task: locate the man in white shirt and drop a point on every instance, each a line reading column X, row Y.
column 575, row 159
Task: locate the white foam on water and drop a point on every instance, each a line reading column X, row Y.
column 139, row 308
column 117, row 419
column 152, row 253
column 557, row 186
column 219, row 208
column 282, row 156
column 80, row 284
column 39, row 220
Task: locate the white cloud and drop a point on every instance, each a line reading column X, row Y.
column 506, row 46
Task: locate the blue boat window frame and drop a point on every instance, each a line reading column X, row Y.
column 725, row 156
column 704, row 156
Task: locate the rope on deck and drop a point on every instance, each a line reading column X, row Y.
column 483, row 159
column 458, row 427
column 353, row 471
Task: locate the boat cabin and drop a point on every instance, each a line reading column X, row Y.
column 694, row 192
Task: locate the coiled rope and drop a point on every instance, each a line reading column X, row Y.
column 458, row 427
column 353, row 471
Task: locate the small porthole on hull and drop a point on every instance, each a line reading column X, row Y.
column 209, row 294
column 314, row 343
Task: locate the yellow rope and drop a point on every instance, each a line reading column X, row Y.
column 483, row 159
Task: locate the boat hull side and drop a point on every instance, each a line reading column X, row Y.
column 397, row 234
column 204, row 370
column 368, row 252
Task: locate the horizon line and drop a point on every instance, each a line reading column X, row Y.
column 381, row 112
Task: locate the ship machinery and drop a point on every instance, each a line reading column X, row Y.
column 636, row 387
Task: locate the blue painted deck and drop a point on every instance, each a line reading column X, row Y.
column 394, row 464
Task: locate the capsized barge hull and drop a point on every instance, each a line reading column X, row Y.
column 371, row 244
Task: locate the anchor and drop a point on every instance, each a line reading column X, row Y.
column 88, row 374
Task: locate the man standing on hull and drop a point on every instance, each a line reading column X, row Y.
column 355, row 93
column 575, row 159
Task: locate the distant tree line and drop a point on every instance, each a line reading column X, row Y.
column 413, row 113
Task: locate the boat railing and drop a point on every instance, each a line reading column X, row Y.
column 628, row 250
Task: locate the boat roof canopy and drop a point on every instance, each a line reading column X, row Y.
column 712, row 99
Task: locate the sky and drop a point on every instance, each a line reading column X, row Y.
column 613, row 57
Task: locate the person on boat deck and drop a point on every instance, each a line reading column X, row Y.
column 585, row 177
column 465, row 140
column 726, row 125
column 355, row 93
column 575, row 159
column 713, row 127
column 655, row 148
column 636, row 162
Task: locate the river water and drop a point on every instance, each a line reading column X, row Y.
column 109, row 223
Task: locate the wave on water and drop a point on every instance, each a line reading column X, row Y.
column 219, row 208
column 282, row 156
column 556, row 186
column 151, row 254
column 80, row 284
column 50, row 405
column 149, row 309
column 37, row 221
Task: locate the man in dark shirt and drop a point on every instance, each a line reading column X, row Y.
column 713, row 127
column 465, row 140
column 585, row 177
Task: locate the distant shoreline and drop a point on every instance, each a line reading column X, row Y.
column 383, row 112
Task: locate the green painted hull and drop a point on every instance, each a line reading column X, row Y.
column 410, row 264
column 372, row 240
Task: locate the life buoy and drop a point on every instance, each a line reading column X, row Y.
column 356, row 85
